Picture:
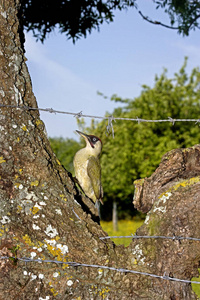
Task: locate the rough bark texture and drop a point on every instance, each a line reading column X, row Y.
column 42, row 215
column 171, row 196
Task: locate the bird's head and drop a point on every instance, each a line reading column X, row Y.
column 93, row 143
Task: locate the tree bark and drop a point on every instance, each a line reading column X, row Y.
column 115, row 217
column 43, row 215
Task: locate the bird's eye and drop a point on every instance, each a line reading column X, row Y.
column 94, row 139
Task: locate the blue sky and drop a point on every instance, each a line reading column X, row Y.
column 118, row 59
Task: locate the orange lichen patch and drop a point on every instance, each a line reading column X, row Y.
column 2, row 160
column 54, row 292
column 19, row 209
column 56, row 252
column 135, row 262
column 38, row 122
column 24, row 128
column 63, row 197
column 64, row 266
column 36, row 246
column 27, row 240
column 34, row 210
column 103, row 292
column 35, row 183
column 183, row 183
column 187, row 182
column 59, row 163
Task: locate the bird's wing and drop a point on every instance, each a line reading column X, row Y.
column 94, row 172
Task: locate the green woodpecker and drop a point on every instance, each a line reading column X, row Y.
column 87, row 167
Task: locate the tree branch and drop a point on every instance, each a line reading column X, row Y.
column 156, row 22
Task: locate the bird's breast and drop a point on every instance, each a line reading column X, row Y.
column 80, row 167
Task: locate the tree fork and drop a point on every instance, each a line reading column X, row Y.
column 40, row 217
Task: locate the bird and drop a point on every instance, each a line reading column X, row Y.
column 88, row 169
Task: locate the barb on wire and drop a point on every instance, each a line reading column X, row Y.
column 178, row 238
column 51, row 110
column 79, row 114
column 139, row 120
column 197, row 121
column 109, row 127
column 171, row 120
column 121, row 270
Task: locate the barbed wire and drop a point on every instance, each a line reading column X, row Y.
column 174, row 238
column 121, row 270
column 110, row 118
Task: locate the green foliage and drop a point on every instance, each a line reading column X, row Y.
column 125, row 227
column 78, row 18
column 14, row 250
column 137, row 149
column 65, row 150
column 183, row 13
column 74, row 18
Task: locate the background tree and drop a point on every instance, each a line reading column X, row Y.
column 136, row 150
column 77, row 18
column 74, row 18
column 184, row 15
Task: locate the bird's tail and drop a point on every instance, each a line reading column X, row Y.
column 101, row 201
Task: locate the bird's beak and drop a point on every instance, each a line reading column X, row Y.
column 85, row 136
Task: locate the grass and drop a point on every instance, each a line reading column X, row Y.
column 196, row 287
column 125, row 227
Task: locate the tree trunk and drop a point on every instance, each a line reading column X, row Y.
column 114, row 216
column 43, row 216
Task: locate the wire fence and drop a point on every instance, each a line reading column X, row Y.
column 174, row 238
column 121, row 270
column 110, row 118
column 109, row 129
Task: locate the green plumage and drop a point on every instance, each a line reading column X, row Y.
column 94, row 172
